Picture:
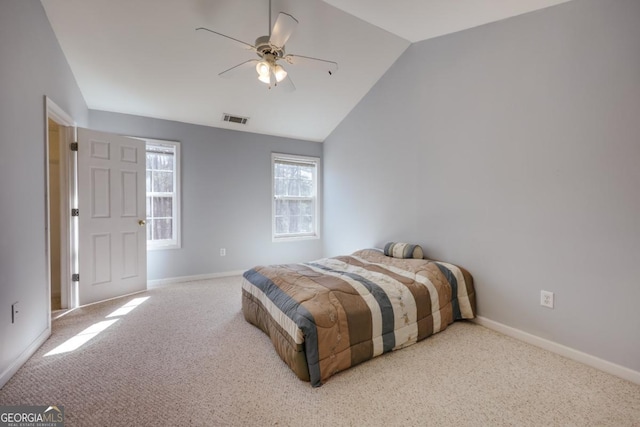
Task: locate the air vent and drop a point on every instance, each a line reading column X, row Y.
column 235, row 119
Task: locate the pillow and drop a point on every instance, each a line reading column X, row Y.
column 403, row 250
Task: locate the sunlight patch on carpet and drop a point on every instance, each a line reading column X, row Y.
column 125, row 309
column 81, row 338
column 76, row 341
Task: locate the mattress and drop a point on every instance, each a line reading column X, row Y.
column 331, row 314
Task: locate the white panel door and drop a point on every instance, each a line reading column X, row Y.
column 112, row 252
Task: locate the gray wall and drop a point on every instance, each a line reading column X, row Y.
column 511, row 149
column 31, row 65
column 226, row 196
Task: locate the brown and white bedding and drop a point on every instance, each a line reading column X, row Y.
column 328, row 315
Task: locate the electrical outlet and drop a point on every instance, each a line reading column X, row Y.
column 546, row 299
column 14, row 312
column 223, row 252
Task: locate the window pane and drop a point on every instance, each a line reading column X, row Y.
column 294, row 208
column 306, row 223
column 281, row 207
column 162, row 229
column 163, row 182
column 157, row 160
column 293, row 180
column 306, row 207
column 162, row 207
column 152, row 160
column 165, row 162
column 306, row 188
column 149, row 207
column 279, row 187
column 293, row 187
column 278, row 170
column 282, row 225
column 294, row 224
column 149, row 182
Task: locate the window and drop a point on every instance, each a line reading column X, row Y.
column 295, row 197
column 163, row 196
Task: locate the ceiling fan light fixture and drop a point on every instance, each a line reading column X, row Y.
column 270, row 49
column 280, row 73
column 264, row 70
column 265, row 79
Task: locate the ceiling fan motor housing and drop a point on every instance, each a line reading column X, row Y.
column 264, row 46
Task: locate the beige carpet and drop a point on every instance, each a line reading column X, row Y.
column 187, row 357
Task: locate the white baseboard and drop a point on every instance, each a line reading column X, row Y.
column 568, row 352
column 24, row 356
column 174, row 280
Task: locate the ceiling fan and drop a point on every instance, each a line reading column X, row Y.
column 271, row 49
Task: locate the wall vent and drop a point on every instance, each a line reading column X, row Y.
column 235, row 119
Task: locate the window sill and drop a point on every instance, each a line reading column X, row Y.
column 294, row 238
column 157, row 247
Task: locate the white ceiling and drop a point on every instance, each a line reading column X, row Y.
column 417, row 20
column 144, row 57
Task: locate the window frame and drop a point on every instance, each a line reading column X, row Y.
column 292, row 158
column 176, row 241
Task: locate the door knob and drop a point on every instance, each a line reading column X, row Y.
column 142, row 223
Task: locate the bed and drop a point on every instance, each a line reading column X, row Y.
column 334, row 313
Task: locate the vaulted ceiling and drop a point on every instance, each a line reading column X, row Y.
column 144, row 57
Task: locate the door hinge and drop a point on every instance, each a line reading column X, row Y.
column 73, row 146
column 75, row 212
column 75, row 277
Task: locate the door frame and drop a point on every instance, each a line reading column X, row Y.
column 68, row 295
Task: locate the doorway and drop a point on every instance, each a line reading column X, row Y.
column 59, row 133
column 95, row 198
column 55, row 216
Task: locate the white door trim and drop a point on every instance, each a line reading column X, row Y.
column 58, row 114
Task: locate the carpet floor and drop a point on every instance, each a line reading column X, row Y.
column 186, row 356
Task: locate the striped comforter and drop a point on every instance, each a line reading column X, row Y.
column 328, row 315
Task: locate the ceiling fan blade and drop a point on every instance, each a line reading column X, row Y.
column 282, row 29
column 240, row 69
column 286, row 85
column 240, row 42
column 309, row 62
